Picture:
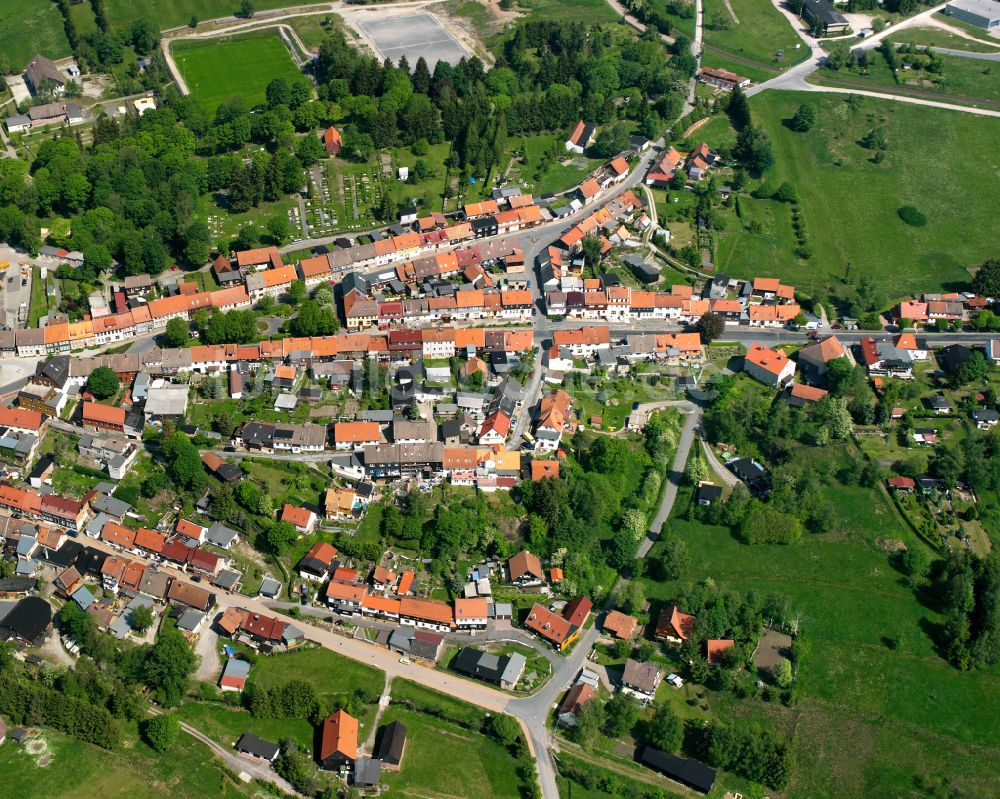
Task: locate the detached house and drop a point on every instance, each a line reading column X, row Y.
column 767, row 366
column 317, row 562
column 338, row 743
column 525, row 569
column 301, row 519
column 580, row 137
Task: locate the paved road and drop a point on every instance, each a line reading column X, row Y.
column 794, row 79
column 692, row 420
column 965, row 53
column 716, row 466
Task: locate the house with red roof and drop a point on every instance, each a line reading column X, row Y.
column 301, row 519
column 580, row 137
column 673, row 626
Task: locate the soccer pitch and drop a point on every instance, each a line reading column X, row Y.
column 217, row 69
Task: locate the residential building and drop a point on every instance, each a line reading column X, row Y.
column 524, row 569
column 722, row 78
column 641, row 680
column 770, row 367
column 301, row 519
column 620, row 625
column 317, row 562
column 502, row 670
column 338, row 742
column 44, row 77
column 673, row 626
column 580, row 137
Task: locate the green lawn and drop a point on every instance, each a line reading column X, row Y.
column 879, row 706
column 315, row 29
column 756, row 74
column 941, row 38
column 225, row 724
column 79, row 771
column 586, row 12
column 849, row 203
column 443, row 759
column 175, row 13
column 28, row 27
column 424, row 194
column 39, row 304
column 218, row 69
column 328, row 672
column 761, row 32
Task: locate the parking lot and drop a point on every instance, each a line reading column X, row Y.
column 16, row 289
column 413, row 35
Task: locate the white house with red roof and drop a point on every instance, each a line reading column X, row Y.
column 581, row 136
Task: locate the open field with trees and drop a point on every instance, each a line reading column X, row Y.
column 922, row 164
column 76, row 769
column 216, row 70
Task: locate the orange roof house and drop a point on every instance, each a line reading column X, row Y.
column 542, row 469
column 553, row 627
column 339, row 742
column 714, row 647
column 674, row 625
column 620, row 624
column 332, row 141
column 299, row 518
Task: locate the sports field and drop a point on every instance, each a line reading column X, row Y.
column 217, row 69
column 849, row 202
column 28, row 27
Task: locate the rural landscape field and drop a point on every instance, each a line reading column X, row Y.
column 530, row 399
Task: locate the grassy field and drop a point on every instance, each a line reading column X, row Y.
column 962, row 78
column 216, row 70
column 313, row 30
column 586, row 12
column 179, row 12
column 38, row 305
column 28, row 27
column 924, row 165
column 761, row 32
column 328, row 672
column 225, row 724
column 431, row 767
column 78, row 770
column 879, row 708
column 942, row 38
column 756, row 74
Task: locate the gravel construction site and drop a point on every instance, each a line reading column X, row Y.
column 412, row 35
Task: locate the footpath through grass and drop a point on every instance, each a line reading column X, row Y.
column 849, row 202
column 762, row 31
column 217, row 69
column 879, row 708
column 74, row 770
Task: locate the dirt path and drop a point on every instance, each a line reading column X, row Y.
column 383, row 703
column 695, row 126
column 732, row 13
column 234, row 762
